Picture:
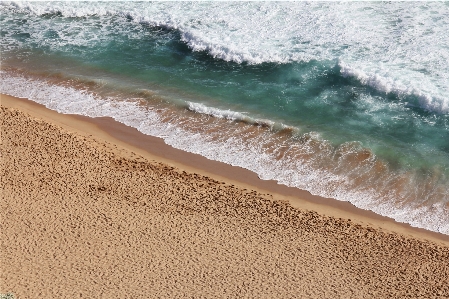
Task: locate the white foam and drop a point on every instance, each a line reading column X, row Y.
column 397, row 48
column 228, row 114
column 427, row 101
column 251, row 154
column 232, row 115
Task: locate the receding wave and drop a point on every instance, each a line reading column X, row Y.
column 346, row 172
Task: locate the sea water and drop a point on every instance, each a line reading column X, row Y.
column 345, row 100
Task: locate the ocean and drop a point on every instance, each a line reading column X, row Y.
column 346, row 100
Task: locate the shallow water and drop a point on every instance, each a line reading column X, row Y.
column 349, row 101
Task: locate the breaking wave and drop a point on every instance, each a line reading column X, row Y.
column 347, row 172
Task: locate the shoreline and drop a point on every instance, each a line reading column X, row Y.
column 155, row 149
column 85, row 214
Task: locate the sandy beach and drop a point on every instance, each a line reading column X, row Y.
column 91, row 208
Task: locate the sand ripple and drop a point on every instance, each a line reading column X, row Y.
column 80, row 219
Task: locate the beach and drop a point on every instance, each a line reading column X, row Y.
column 341, row 100
column 92, row 208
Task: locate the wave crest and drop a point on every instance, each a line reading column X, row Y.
column 424, row 100
column 348, row 172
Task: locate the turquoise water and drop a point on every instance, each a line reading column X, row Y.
column 349, row 100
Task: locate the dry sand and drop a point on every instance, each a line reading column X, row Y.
column 84, row 214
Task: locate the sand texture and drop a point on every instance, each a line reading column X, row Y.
column 82, row 218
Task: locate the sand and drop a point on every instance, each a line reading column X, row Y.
column 88, row 213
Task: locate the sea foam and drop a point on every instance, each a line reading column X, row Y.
column 264, row 153
column 375, row 43
column 427, row 101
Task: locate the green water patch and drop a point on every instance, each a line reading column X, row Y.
column 311, row 95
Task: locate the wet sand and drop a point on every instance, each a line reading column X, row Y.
column 91, row 208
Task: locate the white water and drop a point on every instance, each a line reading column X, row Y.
column 398, row 47
column 230, row 148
